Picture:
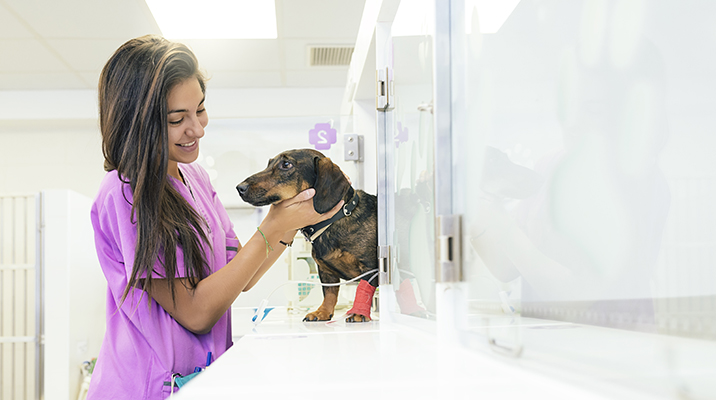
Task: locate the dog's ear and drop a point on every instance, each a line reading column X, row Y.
column 331, row 185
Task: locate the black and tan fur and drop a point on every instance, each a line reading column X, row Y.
column 348, row 248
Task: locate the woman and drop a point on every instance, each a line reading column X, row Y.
column 165, row 243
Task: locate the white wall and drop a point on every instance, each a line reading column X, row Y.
column 50, row 154
column 75, row 290
column 364, row 120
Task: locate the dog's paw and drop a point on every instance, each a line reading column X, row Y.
column 357, row 318
column 318, row 315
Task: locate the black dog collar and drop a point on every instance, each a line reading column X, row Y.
column 314, row 231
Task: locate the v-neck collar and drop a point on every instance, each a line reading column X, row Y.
column 183, row 183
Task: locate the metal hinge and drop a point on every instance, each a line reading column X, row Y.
column 384, row 90
column 449, row 249
column 384, row 265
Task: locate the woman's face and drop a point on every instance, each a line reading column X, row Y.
column 186, row 118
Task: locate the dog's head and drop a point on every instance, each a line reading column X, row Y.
column 292, row 172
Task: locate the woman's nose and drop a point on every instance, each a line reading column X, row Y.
column 196, row 129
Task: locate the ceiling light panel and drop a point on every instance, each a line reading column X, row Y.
column 215, row 19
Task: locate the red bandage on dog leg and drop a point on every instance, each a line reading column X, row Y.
column 364, row 299
column 406, row 298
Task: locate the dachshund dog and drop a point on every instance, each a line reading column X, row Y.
column 345, row 246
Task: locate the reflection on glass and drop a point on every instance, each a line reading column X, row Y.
column 414, row 235
column 600, row 216
column 583, row 150
column 589, row 178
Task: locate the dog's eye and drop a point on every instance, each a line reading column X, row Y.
column 285, row 165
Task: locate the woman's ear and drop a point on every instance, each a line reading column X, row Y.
column 331, row 185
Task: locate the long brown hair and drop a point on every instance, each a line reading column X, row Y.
column 133, row 90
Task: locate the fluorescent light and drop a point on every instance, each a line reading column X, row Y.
column 215, row 19
column 416, row 17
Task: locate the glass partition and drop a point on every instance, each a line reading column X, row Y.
column 584, row 174
column 410, row 143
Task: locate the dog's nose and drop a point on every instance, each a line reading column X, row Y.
column 242, row 188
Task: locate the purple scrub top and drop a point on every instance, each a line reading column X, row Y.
column 143, row 345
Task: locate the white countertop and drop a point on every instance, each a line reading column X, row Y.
column 284, row 357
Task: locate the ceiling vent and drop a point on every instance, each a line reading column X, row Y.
column 330, row 55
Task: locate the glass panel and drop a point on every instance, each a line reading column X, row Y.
column 411, row 141
column 587, row 183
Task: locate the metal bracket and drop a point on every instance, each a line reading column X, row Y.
column 353, row 147
column 384, row 264
column 384, row 90
column 449, row 249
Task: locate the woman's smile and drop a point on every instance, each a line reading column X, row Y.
column 191, row 146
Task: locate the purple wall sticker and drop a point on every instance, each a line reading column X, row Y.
column 322, row 136
column 402, row 135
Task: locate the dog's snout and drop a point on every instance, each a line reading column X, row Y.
column 242, row 188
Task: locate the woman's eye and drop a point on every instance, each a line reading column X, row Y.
column 176, row 122
column 285, row 165
column 201, row 111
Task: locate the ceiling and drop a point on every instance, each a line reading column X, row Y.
column 63, row 44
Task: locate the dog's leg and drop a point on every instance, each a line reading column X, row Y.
column 362, row 303
column 325, row 310
column 330, row 296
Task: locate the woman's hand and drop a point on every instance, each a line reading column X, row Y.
column 297, row 212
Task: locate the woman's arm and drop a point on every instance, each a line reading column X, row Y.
column 199, row 309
